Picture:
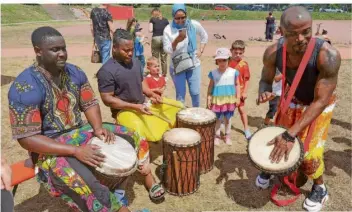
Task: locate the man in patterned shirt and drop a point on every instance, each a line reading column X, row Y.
column 45, row 105
column 102, row 29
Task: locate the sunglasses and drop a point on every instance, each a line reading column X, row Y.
column 181, row 18
column 222, row 60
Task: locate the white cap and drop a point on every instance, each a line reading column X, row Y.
column 222, row 53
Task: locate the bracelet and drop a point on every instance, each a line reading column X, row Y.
column 286, row 136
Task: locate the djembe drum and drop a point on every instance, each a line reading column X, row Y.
column 203, row 121
column 259, row 152
column 120, row 162
column 181, row 149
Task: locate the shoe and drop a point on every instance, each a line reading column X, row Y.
column 247, row 134
column 263, row 181
column 217, row 140
column 121, row 197
column 316, row 199
column 228, row 140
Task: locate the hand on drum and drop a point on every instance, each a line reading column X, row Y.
column 281, row 148
column 105, row 135
column 89, row 154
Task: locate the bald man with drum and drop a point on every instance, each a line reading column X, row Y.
column 313, row 100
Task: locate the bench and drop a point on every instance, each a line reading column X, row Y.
column 21, row 172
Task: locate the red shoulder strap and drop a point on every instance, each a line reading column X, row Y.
column 302, row 66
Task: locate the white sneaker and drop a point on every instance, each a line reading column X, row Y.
column 316, row 199
column 262, row 182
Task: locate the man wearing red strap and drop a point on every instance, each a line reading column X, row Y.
column 308, row 113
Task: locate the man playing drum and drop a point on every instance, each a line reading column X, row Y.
column 45, row 105
column 121, row 88
column 313, row 100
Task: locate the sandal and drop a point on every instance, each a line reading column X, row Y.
column 154, row 190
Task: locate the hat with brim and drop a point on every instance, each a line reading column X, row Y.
column 222, row 53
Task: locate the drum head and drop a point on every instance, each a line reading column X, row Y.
column 120, row 157
column 181, row 137
column 259, row 151
column 196, row 115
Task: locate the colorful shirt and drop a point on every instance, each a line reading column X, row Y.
column 243, row 68
column 224, row 91
column 38, row 106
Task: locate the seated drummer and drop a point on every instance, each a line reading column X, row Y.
column 120, row 85
column 45, row 105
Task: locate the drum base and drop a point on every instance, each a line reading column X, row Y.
column 112, row 182
column 183, row 194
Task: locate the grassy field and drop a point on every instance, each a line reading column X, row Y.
column 144, row 14
column 15, row 13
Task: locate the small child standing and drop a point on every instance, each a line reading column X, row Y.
column 223, row 93
column 155, row 81
column 273, row 104
column 237, row 62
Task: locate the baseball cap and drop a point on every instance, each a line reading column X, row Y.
column 222, row 53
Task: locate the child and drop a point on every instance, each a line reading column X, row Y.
column 237, row 62
column 155, row 81
column 223, row 93
column 273, row 104
column 139, row 40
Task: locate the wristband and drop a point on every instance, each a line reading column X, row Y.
column 286, row 136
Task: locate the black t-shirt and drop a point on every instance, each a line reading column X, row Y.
column 158, row 26
column 124, row 80
column 270, row 20
column 100, row 18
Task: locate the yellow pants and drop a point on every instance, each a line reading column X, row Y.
column 151, row 127
column 313, row 164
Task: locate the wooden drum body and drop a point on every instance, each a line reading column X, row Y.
column 181, row 149
column 120, row 162
column 203, row 121
column 259, row 152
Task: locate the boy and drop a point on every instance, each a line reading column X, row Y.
column 273, row 104
column 237, row 62
column 155, row 81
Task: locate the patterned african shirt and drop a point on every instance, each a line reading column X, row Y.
column 38, row 106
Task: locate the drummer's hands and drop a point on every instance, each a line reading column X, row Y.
column 106, row 135
column 156, row 99
column 89, row 154
column 281, row 148
column 264, row 97
column 143, row 109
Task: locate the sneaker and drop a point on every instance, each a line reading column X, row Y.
column 228, row 140
column 121, row 197
column 263, row 181
column 316, row 199
column 248, row 134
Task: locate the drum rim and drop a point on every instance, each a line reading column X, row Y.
column 282, row 172
column 198, row 123
column 181, row 145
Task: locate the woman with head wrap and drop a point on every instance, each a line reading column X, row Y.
column 180, row 41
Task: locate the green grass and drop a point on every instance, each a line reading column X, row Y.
column 144, row 14
column 15, row 13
